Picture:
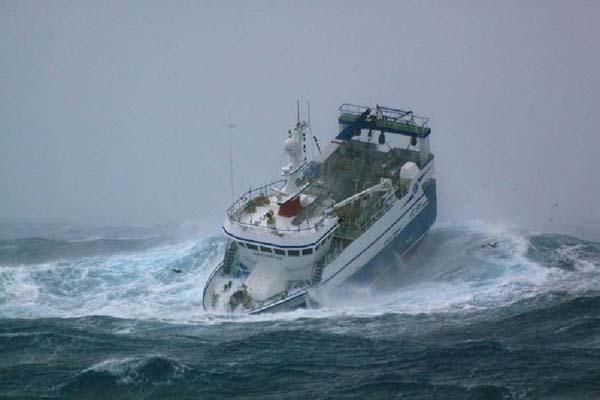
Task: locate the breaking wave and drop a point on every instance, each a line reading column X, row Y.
column 163, row 281
column 457, row 268
column 154, row 370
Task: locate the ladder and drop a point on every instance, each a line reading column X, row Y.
column 214, row 299
column 229, row 258
column 317, row 271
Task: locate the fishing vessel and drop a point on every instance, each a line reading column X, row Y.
column 362, row 202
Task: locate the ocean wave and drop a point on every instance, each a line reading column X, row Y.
column 153, row 369
column 460, row 268
column 471, row 267
column 35, row 250
column 125, row 378
column 131, row 285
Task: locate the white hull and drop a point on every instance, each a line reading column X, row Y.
column 378, row 240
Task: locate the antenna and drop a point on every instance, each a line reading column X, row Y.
column 298, row 111
column 310, row 128
column 303, row 131
column 230, row 127
column 317, row 144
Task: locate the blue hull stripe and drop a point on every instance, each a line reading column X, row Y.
column 430, row 192
column 409, row 236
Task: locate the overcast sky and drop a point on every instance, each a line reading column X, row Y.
column 115, row 112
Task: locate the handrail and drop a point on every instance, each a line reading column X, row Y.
column 385, row 112
column 274, row 230
column 291, row 296
column 263, row 189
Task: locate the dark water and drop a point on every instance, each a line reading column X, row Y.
column 474, row 313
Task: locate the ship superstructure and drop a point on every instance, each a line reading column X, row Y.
column 363, row 201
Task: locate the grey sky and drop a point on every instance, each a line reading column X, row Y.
column 115, row 112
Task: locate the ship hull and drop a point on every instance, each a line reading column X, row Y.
column 398, row 233
column 402, row 243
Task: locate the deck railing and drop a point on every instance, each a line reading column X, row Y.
column 236, row 210
column 384, row 119
column 385, row 113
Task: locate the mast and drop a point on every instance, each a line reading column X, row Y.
column 230, row 127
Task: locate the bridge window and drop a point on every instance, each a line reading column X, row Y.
column 279, row 251
column 306, row 252
column 293, row 253
column 251, row 246
column 241, row 244
column 266, row 249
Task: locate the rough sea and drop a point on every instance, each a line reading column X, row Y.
column 474, row 312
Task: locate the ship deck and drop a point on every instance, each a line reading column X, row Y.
column 306, row 220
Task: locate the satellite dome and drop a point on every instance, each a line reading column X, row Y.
column 292, row 146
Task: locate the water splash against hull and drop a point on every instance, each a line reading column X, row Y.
column 472, row 313
column 456, row 268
